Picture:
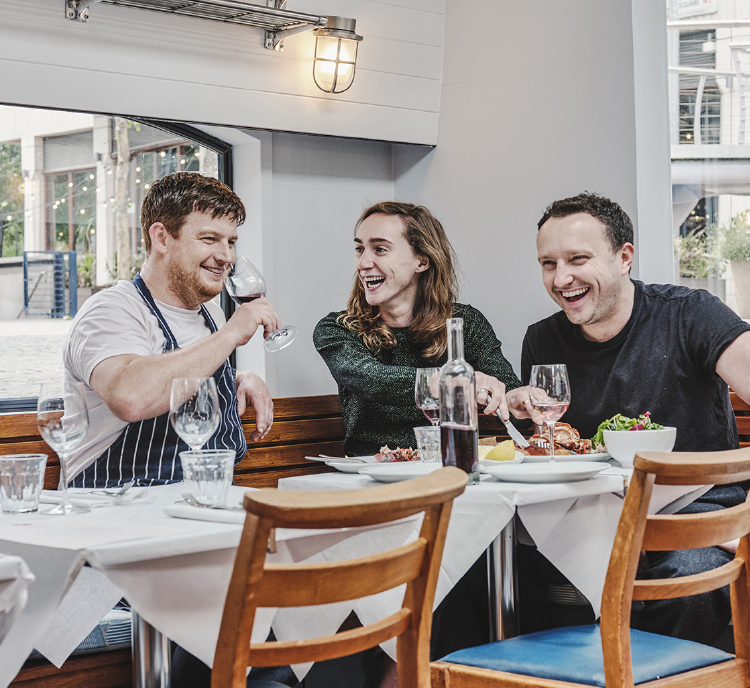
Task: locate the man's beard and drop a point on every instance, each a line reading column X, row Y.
column 188, row 286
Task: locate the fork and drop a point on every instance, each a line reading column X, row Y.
column 194, row 502
column 108, row 492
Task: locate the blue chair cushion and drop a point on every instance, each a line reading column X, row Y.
column 575, row 654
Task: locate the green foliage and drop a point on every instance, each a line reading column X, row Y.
column 136, row 262
column 733, row 239
column 696, row 254
column 11, row 199
column 86, row 264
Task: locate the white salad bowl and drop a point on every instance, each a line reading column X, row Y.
column 623, row 445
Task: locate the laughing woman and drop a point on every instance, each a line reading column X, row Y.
column 404, row 289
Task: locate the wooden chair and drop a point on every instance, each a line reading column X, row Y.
column 613, row 654
column 256, row 583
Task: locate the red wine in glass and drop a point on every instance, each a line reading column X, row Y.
column 245, row 283
column 431, row 413
column 239, row 300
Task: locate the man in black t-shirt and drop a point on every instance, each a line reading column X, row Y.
column 630, row 348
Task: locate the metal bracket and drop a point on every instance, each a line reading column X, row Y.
column 78, row 10
column 272, row 39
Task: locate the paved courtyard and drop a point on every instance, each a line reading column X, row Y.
column 30, row 353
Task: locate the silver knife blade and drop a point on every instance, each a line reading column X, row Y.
column 515, row 435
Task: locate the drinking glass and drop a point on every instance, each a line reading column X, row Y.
column 549, row 394
column 426, row 393
column 63, row 419
column 245, row 283
column 194, row 409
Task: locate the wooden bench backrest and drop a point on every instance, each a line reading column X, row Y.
column 303, row 426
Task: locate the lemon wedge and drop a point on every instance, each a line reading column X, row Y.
column 504, row 451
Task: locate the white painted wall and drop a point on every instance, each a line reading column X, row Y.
column 130, row 61
column 540, row 104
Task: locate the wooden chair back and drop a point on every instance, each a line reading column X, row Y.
column 639, row 531
column 256, row 583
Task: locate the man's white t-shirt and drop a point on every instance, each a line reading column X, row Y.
column 118, row 321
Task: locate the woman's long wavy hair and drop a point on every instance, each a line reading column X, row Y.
column 437, row 287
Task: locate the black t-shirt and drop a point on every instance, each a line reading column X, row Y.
column 663, row 361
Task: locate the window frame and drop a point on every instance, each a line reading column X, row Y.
column 225, row 174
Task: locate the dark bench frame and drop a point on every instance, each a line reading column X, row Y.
column 303, row 426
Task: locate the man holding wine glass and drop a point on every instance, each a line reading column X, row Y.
column 129, row 342
column 629, row 348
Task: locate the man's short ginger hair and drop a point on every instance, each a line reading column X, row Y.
column 171, row 199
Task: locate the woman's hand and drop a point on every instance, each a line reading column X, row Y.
column 491, row 391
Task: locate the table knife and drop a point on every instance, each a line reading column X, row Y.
column 515, row 435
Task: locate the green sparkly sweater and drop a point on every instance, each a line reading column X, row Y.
column 377, row 392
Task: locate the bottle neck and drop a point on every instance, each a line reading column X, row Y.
column 455, row 338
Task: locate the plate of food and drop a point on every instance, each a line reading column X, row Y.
column 392, row 471
column 348, row 466
column 568, row 447
column 549, row 472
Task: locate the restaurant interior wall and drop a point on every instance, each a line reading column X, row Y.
column 558, row 105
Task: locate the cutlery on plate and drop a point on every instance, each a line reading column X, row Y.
column 194, row 502
column 515, row 435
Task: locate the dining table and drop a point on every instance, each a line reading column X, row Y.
column 173, row 566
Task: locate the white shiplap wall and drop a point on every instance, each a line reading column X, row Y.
column 136, row 62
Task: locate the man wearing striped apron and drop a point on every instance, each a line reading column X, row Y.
column 130, row 341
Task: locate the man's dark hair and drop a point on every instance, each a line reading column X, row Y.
column 171, row 199
column 619, row 227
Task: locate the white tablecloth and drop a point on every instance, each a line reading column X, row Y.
column 175, row 572
column 15, row 579
column 572, row 524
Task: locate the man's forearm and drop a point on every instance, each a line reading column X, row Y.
column 138, row 387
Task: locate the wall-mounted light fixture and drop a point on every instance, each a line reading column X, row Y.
column 335, row 54
column 335, row 43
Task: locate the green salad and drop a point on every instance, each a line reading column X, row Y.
column 620, row 422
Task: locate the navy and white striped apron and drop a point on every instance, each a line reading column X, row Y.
column 147, row 451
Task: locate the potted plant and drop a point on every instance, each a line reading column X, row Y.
column 86, row 266
column 699, row 266
column 733, row 245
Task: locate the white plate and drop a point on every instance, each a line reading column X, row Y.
column 593, row 456
column 358, row 460
column 393, row 471
column 488, row 462
column 545, row 473
column 345, row 466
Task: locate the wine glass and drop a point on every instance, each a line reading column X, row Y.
column 244, row 283
column 194, row 409
column 63, row 419
column 549, row 394
column 426, row 393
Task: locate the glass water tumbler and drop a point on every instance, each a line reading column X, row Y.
column 458, row 406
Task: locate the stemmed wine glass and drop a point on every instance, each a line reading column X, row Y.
column 244, row 283
column 549, row 394
column 426, row 393
column 194, row 409
column 63, row 419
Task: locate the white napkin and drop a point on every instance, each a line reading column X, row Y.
column 88, row 499
column 198, row 513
